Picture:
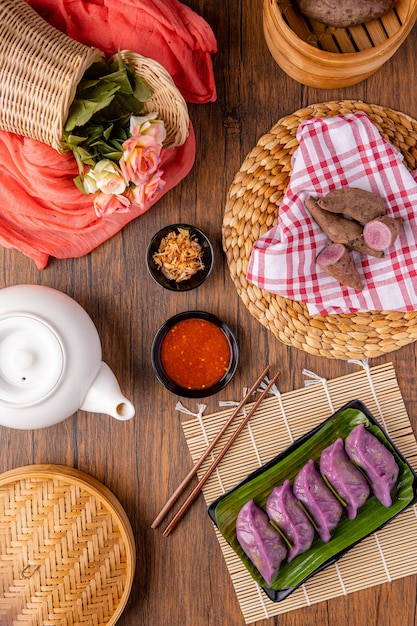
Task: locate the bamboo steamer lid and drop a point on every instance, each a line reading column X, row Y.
column 67, row 552
column 327, row 57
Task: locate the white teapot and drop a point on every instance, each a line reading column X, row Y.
column 51, row 361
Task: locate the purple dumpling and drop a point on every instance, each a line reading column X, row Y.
column 262, row 544
column 325, row 509
column 285, row 511
column 349, row 482
column 375, row 459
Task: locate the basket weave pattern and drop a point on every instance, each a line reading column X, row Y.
column 40, row 69
column 39, row 73
column 63, row 557
column 252, row 209
column 166, row 100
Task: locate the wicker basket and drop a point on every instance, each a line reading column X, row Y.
column 40, row 68
column 165, row 99
column 327, row 57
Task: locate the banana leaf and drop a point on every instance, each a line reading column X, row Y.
column 258, row 486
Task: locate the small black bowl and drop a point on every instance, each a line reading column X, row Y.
column 199, row 277
column 157, row 363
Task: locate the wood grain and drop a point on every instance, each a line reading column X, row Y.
column 182, row 579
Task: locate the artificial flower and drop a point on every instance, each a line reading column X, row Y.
column 105, row 176
column 141, row 194
column 106, row 204
column 138, row 163
column 117, row 149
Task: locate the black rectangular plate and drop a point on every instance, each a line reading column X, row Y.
column 371, row 516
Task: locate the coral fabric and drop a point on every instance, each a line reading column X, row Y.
column 345, row 150
column 42, row 212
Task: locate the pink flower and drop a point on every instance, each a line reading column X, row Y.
column 148, row 126
column 139, row 162
column 106, row 204
column 141, row 194
column 105, row 176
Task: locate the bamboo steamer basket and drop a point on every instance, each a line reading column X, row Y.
column 41, row 67
column 326, row 57
column 67, row 552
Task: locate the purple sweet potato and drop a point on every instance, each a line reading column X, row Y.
column 359, row 204
column 382, row 232
column 378, row 463
column 336, row 261
column 343, row 13
column 345, row 478
column 262, row 544
column 325, row 509
column 340, row 229
column 284, row 509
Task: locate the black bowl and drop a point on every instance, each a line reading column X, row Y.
column 174, row 387
column 199, row 277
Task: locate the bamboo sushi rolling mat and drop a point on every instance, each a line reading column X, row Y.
column 67, row 551
column 252, row 209
column 384, row 556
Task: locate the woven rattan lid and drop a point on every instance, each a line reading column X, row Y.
column 252, row 209
column 67, row 553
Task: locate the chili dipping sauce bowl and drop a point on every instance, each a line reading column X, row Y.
column 200, row 276
column 194, row 354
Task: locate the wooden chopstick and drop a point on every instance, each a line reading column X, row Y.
column 193, row 495
column 205, row 454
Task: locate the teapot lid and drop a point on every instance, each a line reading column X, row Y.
column 31, row 360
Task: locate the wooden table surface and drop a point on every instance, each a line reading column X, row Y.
column 182, row 580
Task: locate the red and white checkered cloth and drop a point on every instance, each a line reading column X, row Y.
column 345, row 150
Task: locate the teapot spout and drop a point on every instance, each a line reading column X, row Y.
column 104, row 396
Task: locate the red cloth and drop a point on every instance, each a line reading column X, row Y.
column 42, row 212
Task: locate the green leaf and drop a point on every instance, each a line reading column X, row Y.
column 371, row 516
column 81, row 111
column 142, row 90
column 98, row 119
column 121, row 79
column 79, row 184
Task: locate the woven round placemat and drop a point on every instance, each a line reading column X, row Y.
column 67, row 552
column 252, row 209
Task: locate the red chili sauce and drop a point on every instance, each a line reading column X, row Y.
column 195, row 354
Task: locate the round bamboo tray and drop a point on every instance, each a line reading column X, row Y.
column 252, row 209
column 327, row 57
column 67, row 552
column 40, row 69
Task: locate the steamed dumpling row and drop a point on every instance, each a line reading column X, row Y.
column 339, row 464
